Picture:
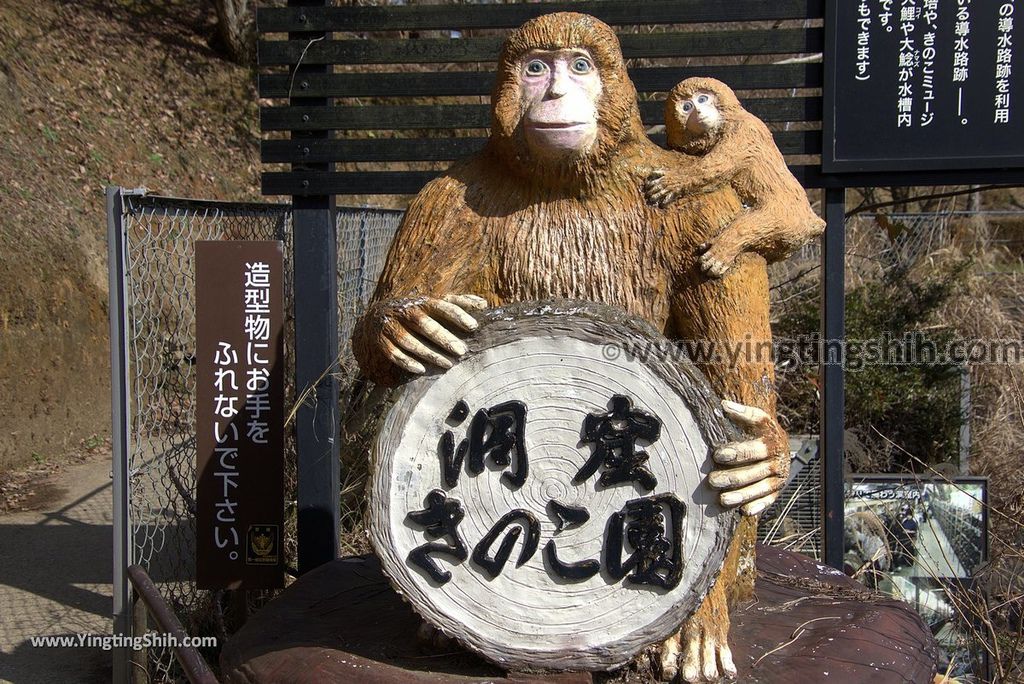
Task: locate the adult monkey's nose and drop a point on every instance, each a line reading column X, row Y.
column 559, row 84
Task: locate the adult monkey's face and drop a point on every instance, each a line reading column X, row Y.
column 560, row 91
column 563, row 104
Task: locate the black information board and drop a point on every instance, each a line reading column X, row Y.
column 916, row 85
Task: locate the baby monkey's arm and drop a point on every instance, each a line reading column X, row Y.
column 693, row 175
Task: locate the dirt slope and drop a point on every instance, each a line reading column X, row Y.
column 93, row 93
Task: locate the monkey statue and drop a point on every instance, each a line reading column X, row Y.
column 553, row 208
column 730, row 146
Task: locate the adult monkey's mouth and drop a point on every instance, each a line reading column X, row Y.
column 557, row 125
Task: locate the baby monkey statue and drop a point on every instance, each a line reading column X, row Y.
column 730, row 146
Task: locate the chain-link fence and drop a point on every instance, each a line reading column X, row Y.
column 363, row 239
column 158, row 236
column 892, row 240
column 878, row 246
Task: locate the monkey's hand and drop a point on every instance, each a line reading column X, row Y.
column 413, row 332
column 751, row 473
column 665, row 186
column 702, row 645
column 659, row 188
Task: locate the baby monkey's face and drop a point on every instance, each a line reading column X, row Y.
column 699, row 113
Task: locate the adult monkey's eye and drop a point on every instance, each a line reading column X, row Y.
column 582, row 65
column 702, row 99
column 687, row 106
column 536, row 67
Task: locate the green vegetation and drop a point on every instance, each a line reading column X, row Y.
column 908, row 402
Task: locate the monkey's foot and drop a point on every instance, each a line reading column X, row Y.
column 719, row 256
column 658, row 190
column 705, row 649
column 702, row 654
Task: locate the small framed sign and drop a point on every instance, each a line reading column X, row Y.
column 922, row 540
column 239, row 414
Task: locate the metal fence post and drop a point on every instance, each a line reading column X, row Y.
column 833, row 331
column 965, row 419
column 119, row 429
column 315, row 250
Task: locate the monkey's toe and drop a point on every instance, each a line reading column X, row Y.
column 714, row 267
column 708, row 657
column 667, row 659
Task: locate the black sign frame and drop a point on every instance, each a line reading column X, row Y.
column 947, row 169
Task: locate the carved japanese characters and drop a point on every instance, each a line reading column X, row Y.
column 546, row 502
column 726, row 145
column 554, row 208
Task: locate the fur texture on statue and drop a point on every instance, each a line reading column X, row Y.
column 724, row 144
column 507, row 226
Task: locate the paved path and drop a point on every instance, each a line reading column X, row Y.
column 55, row 578
column 935, row 555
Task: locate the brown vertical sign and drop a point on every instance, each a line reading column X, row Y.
column 239, row 414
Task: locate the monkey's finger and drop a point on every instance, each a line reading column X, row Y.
column 731, row 478
column 657, row 190
column 749, row 493
column 401, row 359
column 435, row 332
column 656, row 175
column 452, row 313
column 467, row 301
column 750, row 418
column 661, row 196
column 661, row 199
column 758, row 505
column 716, row 268
column 406, row 341
column 409, row 343
column 735, row 453
column 652, row 193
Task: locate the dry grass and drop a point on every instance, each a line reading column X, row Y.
column 990, row 306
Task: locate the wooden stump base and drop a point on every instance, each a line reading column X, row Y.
column 343, row 622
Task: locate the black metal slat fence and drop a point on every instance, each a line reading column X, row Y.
column 378, row 117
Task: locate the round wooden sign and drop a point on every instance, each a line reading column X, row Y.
column 545, row 501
